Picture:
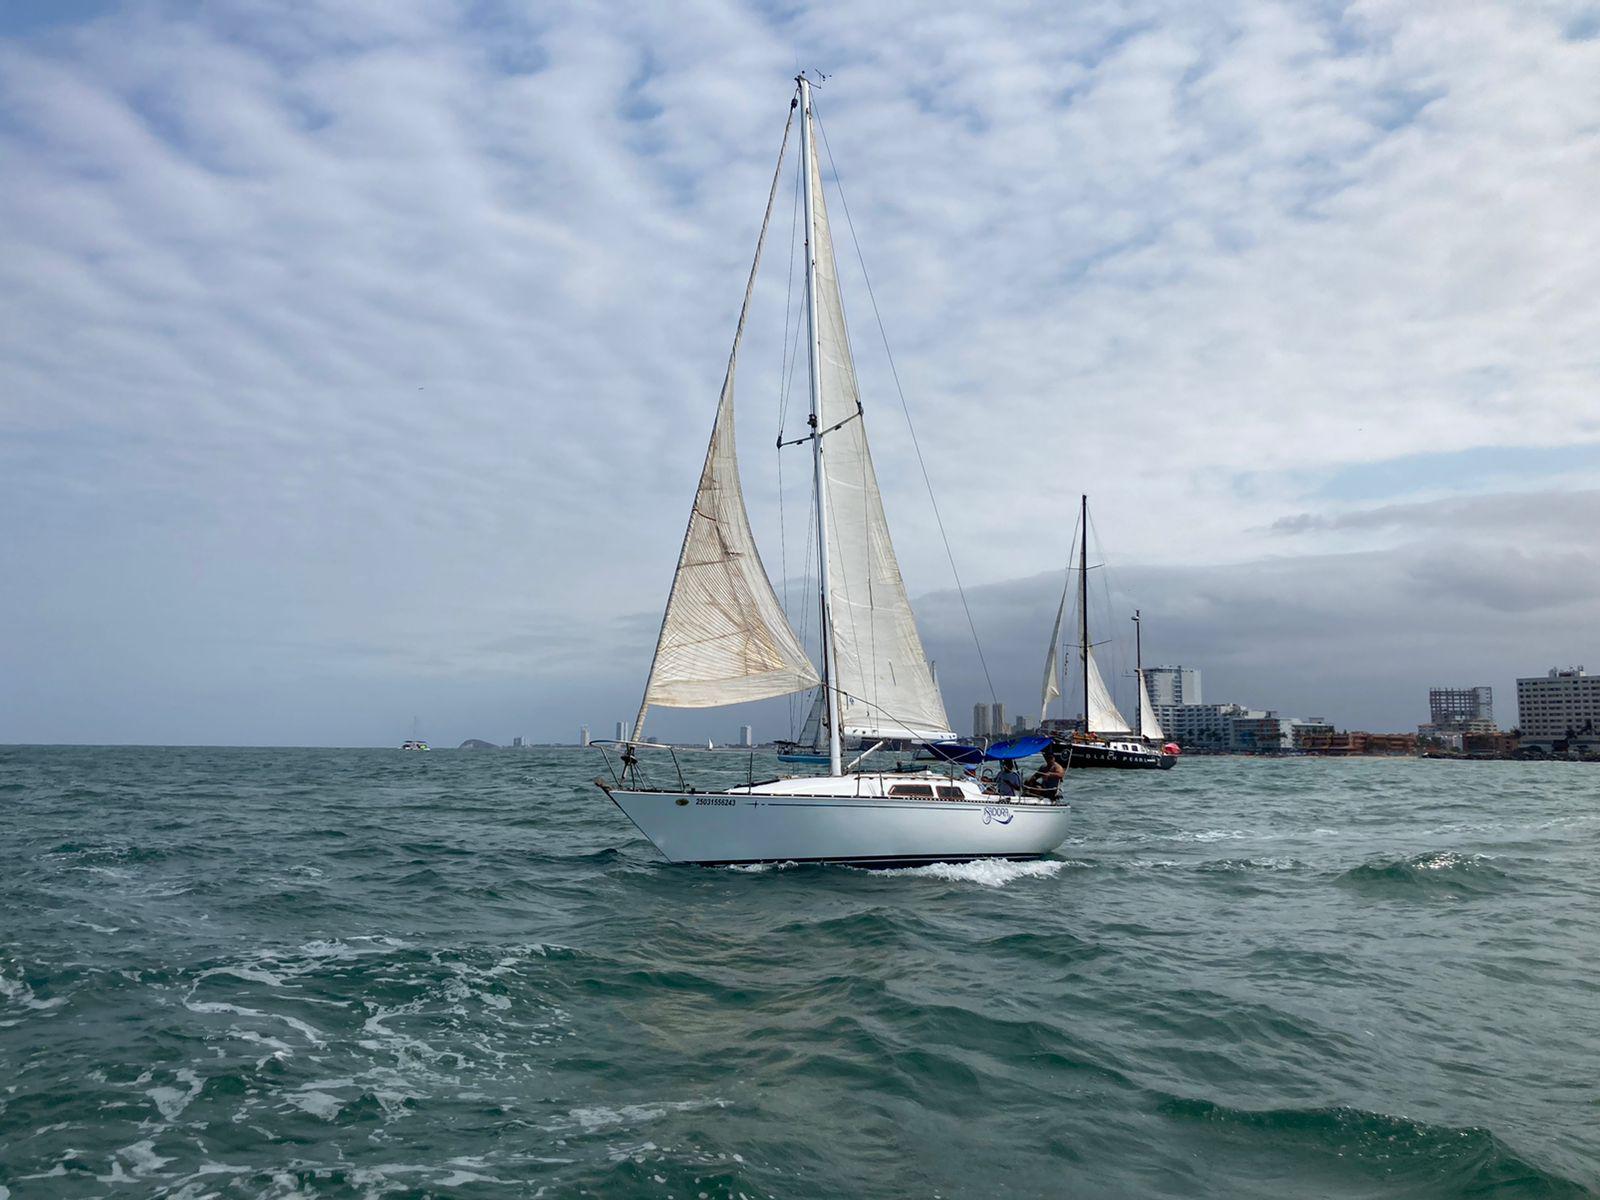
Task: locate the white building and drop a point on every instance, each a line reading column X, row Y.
column 746, row 736
column 621, row 731
column 1199, row 725
column 1173, row 685
column 1561, row 706
column 997, row 719
column 980, row 721
column 583, row 737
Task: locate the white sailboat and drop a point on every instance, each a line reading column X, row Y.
column 1106, row 740
column 725, row 639
column 812, row 744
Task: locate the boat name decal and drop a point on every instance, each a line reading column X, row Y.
column 998, row 813
column 728, row 800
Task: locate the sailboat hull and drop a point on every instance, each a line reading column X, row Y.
column 1091, row 754
column 723, row 829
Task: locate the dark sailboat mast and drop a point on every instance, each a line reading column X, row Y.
column 1138, row 673
column 1083, row 606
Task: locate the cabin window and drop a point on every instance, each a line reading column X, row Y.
column 921, row 790
column 951, row 793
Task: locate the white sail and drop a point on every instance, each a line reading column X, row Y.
column 1052, row 660
column 813, row 733
column 886, row 689
column 1103, row 714
column 1148, row 725
column 724, row 637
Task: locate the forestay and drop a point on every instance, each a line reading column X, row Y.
column 885, row 687
column 724, row 638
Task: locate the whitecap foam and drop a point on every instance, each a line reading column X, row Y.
column 20, row 991
column 248, row 974
column 757, row 868
column 987, row 872
column 318, row 1104
column 170, row 1101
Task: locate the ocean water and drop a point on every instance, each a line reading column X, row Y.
column 367, row 973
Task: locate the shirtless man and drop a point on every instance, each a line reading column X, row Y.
column 1046, row 781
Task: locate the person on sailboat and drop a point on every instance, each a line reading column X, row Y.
column 1009, row 781
column 1046, row 781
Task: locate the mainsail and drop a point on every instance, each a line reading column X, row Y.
column 1148, row 725
column 885, row 687
column 724, row 638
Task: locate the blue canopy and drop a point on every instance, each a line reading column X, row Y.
column 1016, row 748
column 1007, row 751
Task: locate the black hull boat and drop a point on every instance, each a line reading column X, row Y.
column 1120, row 756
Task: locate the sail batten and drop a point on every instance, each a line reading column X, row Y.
column 884, row 684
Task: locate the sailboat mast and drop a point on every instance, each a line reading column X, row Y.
column 1083, row 606
column 813, row 356
column 1138, row 672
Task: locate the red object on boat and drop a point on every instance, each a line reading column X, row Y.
column 1172, row 749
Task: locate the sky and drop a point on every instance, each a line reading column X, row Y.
column 357, row 358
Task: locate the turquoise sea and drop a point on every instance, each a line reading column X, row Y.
column 366, row 973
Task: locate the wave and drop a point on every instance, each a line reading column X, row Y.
column 1441, row 873
column 986, row 872
column 1413, row 1158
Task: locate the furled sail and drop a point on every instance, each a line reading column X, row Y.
column 1148, row 725
column 1103, row 714
column 886, row 689
column 724, row 638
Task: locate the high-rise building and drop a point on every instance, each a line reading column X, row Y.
column 1561, row 706
column 583, row 737
column 997, row 719
column 1446, row 706
column 621, row 731
column 1173, row 685
column 1021, row 725
column 980, row 720
column 746, row 736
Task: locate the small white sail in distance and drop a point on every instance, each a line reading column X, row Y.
column 1052, row 660
column 1148, row 725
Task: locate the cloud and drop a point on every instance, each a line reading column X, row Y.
column 388, row 335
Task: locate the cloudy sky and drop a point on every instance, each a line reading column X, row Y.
column 357, row 359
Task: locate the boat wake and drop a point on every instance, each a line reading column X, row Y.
column 988, row 872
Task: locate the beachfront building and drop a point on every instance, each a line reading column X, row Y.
column 980, row 721
column 1454, row 708
column 1199, row 726
column 1560, row 710
column 1173, row 685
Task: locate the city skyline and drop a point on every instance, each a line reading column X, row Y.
column 359, row 364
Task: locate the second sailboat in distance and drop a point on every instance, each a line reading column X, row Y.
column 1105, row 739
column 725, row 639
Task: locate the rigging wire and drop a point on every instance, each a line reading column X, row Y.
column 904, row 406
